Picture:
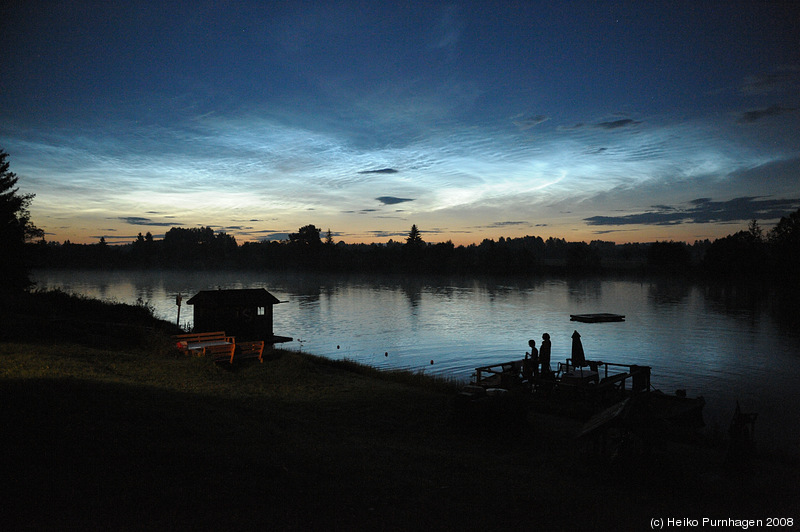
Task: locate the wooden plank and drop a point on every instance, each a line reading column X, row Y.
column 596, row 318
column 278, row 339
column 612, row 380
column 194, row 338
column 604, row 419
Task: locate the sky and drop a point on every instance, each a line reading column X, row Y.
column 615, row 121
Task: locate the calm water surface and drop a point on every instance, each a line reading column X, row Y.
column 725, row 345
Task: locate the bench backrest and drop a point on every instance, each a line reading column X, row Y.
column 202, row 337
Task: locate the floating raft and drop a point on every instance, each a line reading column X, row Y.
column 596, row 318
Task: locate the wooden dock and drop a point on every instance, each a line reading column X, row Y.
column 599, row 379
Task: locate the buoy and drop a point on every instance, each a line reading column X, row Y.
column 386, row 354
column 431, row 362
column 337, row 347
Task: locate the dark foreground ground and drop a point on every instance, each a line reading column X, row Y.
column 140, row 438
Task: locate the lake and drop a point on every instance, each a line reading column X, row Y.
column 724, row 344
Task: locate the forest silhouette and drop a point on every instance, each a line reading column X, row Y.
column 747, row 254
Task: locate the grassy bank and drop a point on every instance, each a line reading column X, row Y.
column 105, row 436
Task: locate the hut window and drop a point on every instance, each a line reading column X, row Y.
column 261, row 311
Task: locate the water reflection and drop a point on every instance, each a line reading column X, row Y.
column 307, row 294
column 751, row 300
column 669, row 291
column 581, row 290
column 412, row 289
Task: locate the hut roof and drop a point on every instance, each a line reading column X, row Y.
column 257, row 297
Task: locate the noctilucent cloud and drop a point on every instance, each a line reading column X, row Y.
column 618, row 121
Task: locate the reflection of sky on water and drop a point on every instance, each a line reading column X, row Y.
column 723, row 347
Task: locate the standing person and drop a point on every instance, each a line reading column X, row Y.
column 527, row 368
column 534, row 358
column 544, row 354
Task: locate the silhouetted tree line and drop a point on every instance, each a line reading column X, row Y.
column 751, row 253
column 746, row 254
column 306, row 250
column 197, row 247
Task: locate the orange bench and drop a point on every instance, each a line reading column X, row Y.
column 198, row 342
column 219, row 346
column 250, row 350
column 194, row 338
column 221, row 352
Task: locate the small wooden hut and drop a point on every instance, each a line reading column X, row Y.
column 244, row 313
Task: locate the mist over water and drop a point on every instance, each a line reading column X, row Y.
column 724, row 344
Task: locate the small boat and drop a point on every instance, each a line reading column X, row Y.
column 596, row 318
column 651, row 414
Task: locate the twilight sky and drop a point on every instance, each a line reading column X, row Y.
column 619, row 121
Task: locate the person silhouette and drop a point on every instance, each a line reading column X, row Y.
column 544, row 354
column 527, row 368
column 534, row 357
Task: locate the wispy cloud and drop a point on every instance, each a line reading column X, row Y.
column 705, row 210
column 526, row 122
column 507, row 224
column 748, row 117
column 617, row 124
column 392, row 200
column 138, row 220
column 250, row 164
column 450, row 29
column 377, row 233
column 380, row 171
column 606, row 125
column 783, row 79
column 275, row 236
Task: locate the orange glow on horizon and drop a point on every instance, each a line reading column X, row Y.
column 688, row 233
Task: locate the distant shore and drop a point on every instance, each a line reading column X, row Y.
column 740, row 257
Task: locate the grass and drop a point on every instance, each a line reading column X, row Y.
column 103, row 436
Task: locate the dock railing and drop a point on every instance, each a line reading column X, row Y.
column 639, row 375
column 610, row 376
column 498, row 375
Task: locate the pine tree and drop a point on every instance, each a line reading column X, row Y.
column 16, row 229
column 414, row 237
